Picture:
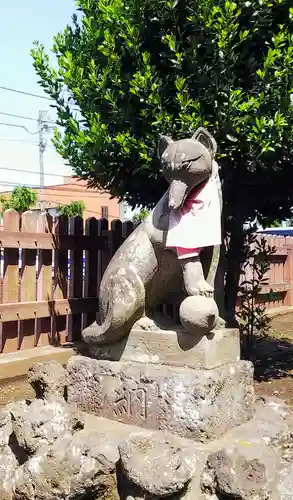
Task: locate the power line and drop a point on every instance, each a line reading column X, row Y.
column 26, row 93
column 57, row 191
column 31, row 95
column 18, row 126
column 23, row 117
column 18, row 140
column 32, row 171
column 18, row 116
column 59, row 188
column 62, row 195
column 8, row 139
column 78, row 192
column 53, row 201
column 10, row 184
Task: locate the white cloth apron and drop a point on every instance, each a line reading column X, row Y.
column 198, row 223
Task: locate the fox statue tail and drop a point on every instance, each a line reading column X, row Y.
column 125, row 301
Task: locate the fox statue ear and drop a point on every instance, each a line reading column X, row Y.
column 163, row 143
column 206, row 139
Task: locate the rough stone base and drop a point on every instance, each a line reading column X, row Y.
column 198, row 404
column 175, row 348
column 107, row 460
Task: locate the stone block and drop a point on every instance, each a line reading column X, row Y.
column 272, row 424
column 241, row 470
column 39, row 423
column 198, row 404
column 157, row 467
column 48, row 379
column 175, row 348
column 68, row 470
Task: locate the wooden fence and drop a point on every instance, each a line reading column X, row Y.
column 278, row 292
column 50, row 273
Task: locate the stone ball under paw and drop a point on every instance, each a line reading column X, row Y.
column 199, row 314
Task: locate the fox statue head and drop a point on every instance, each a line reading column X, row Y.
column 186, row 164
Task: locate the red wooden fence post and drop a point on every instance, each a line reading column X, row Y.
column 28, row 285
column 91, row 280
column 45, row 282
column 11, row 222
column 60, row 285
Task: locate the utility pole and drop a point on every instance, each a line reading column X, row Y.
column 42, row 129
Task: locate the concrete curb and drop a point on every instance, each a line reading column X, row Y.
column 16, row 364
column 14, row 367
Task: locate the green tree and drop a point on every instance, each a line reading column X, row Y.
column 276, row 223
column 141, row 215
column 127, row 71
column 72, row 209
column 22, row 199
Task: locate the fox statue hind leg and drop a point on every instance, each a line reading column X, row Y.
column 122, row 302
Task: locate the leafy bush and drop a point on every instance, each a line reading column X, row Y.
column 253, row 320
column 141, row 215
column 72, row 209
column 22, row 199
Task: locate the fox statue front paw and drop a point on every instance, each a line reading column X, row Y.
column 199, row 314
column 203, row 288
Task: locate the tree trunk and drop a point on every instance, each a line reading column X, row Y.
column 220, row 283
column 233, row 269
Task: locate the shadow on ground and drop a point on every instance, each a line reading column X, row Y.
column 273, row 355
column 273, row 359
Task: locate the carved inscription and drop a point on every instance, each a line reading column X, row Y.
column 131, row 402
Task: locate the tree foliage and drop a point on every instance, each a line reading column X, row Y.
column 275, row 223
column 128, row 70
column 72, row 209
column 22, row 199
column 141, row 215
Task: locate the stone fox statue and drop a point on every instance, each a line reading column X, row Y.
column 144, row 271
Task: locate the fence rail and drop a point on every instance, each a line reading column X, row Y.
column 50, row 273
column 279, row 290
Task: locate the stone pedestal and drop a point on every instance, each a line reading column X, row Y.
column 167, row 380
column 199, row 404
column 173, row 348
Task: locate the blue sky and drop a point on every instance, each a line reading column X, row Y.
column 22, row 22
